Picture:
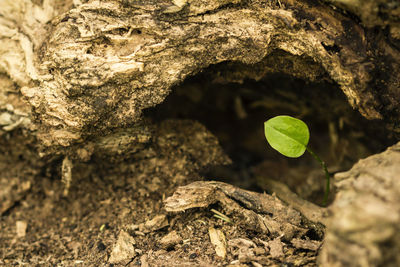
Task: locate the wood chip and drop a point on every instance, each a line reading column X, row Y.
column 123, row 250
column 256, row 264
column 66, row 174
column 194, row 195
column 306, row 244
column 243, row 249
column 21, row 228
column 241, row 242
column 157, row 223
column 170, row 240
column 276, row 248
column 143, row 260
column 217, row 238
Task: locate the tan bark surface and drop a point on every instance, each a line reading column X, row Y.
column 364, row 227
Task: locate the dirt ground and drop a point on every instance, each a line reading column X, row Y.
column 41, row 227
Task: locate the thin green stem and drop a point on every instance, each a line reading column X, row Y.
column 327, row 175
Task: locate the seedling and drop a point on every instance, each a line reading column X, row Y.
column 221, row 216
column 290, row 136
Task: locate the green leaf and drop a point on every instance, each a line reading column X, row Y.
column 288, row 135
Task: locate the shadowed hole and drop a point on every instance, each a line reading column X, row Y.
column 234, row 110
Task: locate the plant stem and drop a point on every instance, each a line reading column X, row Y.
column 327, row 175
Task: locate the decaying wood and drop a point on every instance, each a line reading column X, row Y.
column 311, row 211
column 374, row 12
column 262, row 213
column 364, row 227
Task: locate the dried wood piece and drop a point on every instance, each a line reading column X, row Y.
column 21, row 227
column 66, row 174
column 195, row 195
column 306, row 244
column 157, row 223
column 276, row 248
column 170, row 240
column 244, row 249
column 261, row 212
column 217, row 238
column 311, row 211
column 123, row 250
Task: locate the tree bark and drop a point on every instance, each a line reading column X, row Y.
column 364, row 227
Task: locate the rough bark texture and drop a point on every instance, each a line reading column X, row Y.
column 364, row 228
column 261, row 212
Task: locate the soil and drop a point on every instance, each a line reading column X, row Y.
column 82, row 228
column 114, row 214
